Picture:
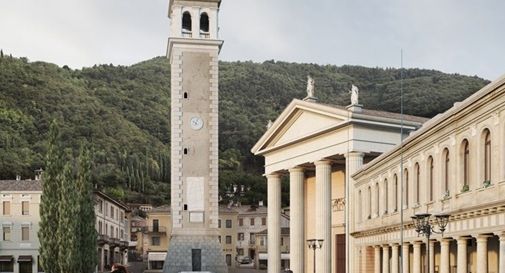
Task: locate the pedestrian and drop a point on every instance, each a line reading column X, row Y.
column 117, row 268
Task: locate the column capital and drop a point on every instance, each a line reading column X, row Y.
column 501, row 235
column 394, row 244
column 273, row 176
column 482, row 237
column 296, row 169
column 323, row 162
column 377, row 247
column 385, row 246
column 445, row 241
column 354, row 154
column 462, row 239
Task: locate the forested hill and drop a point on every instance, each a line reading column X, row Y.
column 124, row 112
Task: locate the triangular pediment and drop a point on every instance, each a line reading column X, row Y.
column 298, row 121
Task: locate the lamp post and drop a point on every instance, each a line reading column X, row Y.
column 424, row 227
column 315, row 244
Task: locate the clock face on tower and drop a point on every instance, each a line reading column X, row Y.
column 196, row 123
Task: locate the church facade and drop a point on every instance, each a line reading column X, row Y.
column 317, row 146
column 345, row 171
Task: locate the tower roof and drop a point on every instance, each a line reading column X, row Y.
column 171, row 3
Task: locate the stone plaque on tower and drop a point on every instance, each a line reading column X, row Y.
column 193, row 49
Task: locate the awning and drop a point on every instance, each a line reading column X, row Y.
column 25, row 258
column 6, row 258
column 156, row 256
column 264, row 256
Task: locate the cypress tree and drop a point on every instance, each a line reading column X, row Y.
column 87, row 229
column 50, row 203
column 68, row 228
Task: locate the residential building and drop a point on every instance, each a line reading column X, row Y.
column 227, row 225
column 454, row 164
column 252, row 219
column 155, row 237
column 261, row 260
column 19, row 220
column 113, row 231
column 137, row 225
column 318, row 146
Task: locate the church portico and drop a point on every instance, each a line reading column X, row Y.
column 317, row 147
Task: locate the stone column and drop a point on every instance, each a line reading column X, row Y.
column 432, row 257
column 405, row 257
column 274, row 219
column 416, row 263
column 501, row 255
column 296, row 231
column 394, row 258
column 353, row 162
column 377, row 256
column 385, row 259
column 323, row 214
column 444, row 255
column 461, row 255
column 482, row 253
column 101, row 269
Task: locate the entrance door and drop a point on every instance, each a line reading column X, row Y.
column 25, row 267
column 340, row 253
column 196, row 259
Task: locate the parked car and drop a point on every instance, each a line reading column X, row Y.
column 246, row 260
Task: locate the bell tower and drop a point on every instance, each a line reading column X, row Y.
column 193, row 49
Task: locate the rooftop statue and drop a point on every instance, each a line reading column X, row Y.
column 310, row 87
column 354, row 94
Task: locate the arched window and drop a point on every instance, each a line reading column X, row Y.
column 186, row 22
column 386, row 195
column 369, row 212
column 487, row 155
column 395, row 196
column 430, row 178
column 204, row 22
column 446, row 171
column 466, row 163
column 418, row 172
column 377, row 198
column 406, row 188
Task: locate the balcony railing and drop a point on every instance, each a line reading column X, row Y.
column 154, row 229
column 103, row 239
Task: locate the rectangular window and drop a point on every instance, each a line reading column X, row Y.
column 6, row 233
column 106, row 209
column 112, row 212
column 6, row 208
column 263, row 221
column 228, row 223
column 25, row 233
column 252, row 221
column 106, row 229
column 241, row 222
column 228, row 240
column 100, row 206
column 219, row 223
column 111, row 231
column 240, row 252
column 122, row 234
column 282, row 241
column 155, row 241
column 228, row 259
column 7, row 266
column 99, row 227
column 156, row 225
column 25, row 207
column 253, row 238
column 241, row 236
column 219, row 239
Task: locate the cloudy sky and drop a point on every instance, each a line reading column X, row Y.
column 456, row 36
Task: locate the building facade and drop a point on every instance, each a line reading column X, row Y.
column 454, row 164
column 19, row 220
column 318, row 146
column 113, row 231
column 155, row 237
column 261, row 260
column 227, row 225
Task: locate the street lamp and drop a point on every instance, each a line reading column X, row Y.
column 315, row 244
column 424, row 227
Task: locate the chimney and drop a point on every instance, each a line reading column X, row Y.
column 38, row 174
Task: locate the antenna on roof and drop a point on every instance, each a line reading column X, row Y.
column 401, row 160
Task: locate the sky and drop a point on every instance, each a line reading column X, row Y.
column 454, row 36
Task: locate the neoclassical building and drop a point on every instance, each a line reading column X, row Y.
column 454, row 164
column 317, row 146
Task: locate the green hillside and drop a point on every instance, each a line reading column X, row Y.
column 124, row 112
